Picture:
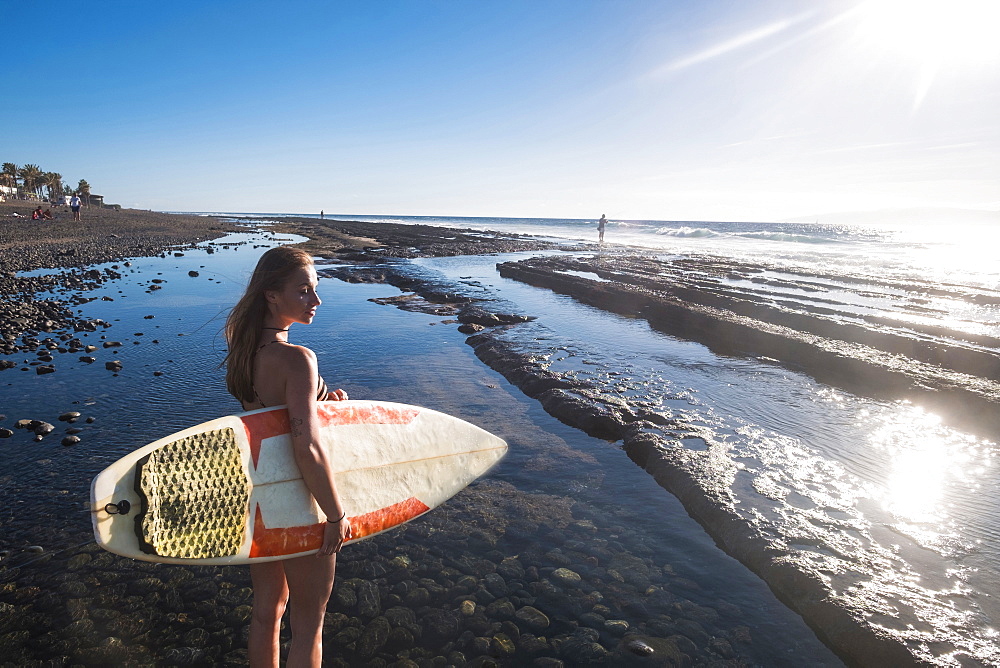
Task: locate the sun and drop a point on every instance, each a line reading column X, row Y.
column 932, row 38
column 937, row 32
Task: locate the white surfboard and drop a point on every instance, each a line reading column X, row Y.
column 228, row 491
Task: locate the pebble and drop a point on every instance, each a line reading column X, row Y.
column 533, row 618
column 114, row 365
column 617, row 627
column 87, row 359
column 69, row 416
column 70, row 440
column 42, row 428
column 566, row 577
column 78, row 560
column 5, row 433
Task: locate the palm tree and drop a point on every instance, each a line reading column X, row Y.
column 31, row 177
column 83, row 189
column 42, row 182
column 10, row 171
column 53, row 181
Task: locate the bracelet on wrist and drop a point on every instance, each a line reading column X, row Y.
column 338, row 520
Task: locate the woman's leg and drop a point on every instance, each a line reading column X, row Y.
column 310, row 581
column 270, row 594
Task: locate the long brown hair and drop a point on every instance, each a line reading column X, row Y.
column 243, row 326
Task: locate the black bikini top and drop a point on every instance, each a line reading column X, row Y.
column 321, row 390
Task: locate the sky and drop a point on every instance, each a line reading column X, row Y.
column 666, row 110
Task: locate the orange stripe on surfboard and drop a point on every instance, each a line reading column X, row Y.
column 264, row 425
column 287, row 540
column 388, row 517
column 335, row 414
column 292, row 540
column 267, row 424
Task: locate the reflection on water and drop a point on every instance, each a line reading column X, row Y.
column 919, row 466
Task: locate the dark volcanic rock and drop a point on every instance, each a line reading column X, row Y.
column 963, row 381
column 41, row 428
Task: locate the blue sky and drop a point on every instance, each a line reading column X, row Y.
column 687, row 110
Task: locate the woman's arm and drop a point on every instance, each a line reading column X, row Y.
column 310, row 456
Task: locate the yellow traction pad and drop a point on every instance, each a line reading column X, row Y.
column 194, row 494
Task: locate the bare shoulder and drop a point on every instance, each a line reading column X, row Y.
column 294, row 357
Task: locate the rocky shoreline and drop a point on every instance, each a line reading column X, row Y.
column 652, row 441
column 68, row 248
column 956, row 374
column 432, row 593
column 337, row 239
column 391, row 601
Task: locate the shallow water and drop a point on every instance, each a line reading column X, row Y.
column 372, row 351
column 895, row 509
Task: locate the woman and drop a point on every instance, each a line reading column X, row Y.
column 264, row 369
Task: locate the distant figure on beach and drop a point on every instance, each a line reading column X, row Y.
column 264, row 369
column 321, row 214
column 46, row 215
column 600, row 228
column 37, row 214
column 74, row 204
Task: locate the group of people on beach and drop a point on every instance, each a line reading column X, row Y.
column 74, row 204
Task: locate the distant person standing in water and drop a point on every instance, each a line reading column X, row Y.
column 600, row 228
column 321, row 214
column 74, row 204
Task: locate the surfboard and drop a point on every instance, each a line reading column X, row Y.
column 228, row 491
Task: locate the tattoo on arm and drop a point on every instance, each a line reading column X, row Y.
column 296, row 426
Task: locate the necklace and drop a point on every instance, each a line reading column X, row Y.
column 277, row 329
